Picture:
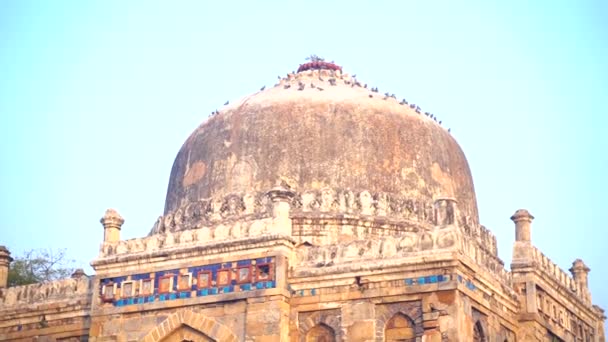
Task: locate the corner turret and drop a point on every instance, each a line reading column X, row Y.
column 5, row 261
column 522, row 248
column 112, row 222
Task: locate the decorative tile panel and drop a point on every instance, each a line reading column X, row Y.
column 415, row 281
column 189, row 282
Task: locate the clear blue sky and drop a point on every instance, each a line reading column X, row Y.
column 96, row 99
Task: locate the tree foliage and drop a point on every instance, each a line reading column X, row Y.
column 39, row 265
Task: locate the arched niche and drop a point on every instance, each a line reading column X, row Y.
column 320, row 333
column 400, row 328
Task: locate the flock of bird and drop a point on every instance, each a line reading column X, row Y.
column 354, row 83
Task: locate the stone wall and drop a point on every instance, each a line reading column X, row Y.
column 56, row 310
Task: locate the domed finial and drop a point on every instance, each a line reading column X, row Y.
column 318, row 63
column 78, row 273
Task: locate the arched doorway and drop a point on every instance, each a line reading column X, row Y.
column 400, row 328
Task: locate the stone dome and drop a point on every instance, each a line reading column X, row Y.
column 319, row 129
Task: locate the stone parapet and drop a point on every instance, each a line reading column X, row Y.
column 487, row 260
column 177, row 239
column 36, row 294
column 484, row 238
column 386, row 248
column 57, row 309
column 360, row 203
column 548, row 268
column 200, row 249
column 212, row 211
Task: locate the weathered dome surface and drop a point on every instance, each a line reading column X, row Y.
column 339, row 136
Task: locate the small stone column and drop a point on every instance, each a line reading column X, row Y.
column 281, row 199
column 111, row 222
column 522, row 219
column 580, row 273
column 523, row 253
column 5, row 261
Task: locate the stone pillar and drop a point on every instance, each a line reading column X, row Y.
column 281, row 199
column 523, row 251
column 111, row 222
column 5, row 261
column 580, row 273
column 522, row 219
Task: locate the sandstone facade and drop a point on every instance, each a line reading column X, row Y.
column 267, row 238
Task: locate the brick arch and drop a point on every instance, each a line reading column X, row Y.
column 196, row 321
column 411, row 310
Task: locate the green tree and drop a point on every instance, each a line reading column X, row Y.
column 39, row 265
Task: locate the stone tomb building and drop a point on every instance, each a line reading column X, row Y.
column 316, row 210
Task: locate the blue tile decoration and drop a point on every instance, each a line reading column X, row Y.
column 432, row 279
column 153, row 295
column 470, row 285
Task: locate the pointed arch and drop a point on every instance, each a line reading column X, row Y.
column 186, row 324
column 320, row 321
column 411, row 310
column 321, row 333
column 400, row 328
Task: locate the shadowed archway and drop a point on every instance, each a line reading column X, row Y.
column 478, row 333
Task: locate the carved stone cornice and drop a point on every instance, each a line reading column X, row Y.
column 176, row 252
